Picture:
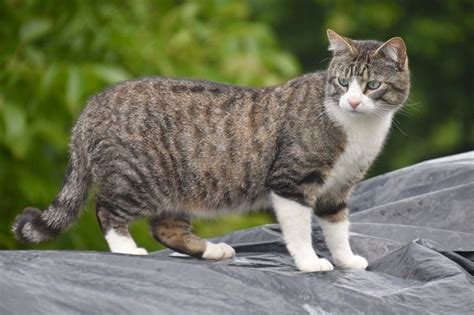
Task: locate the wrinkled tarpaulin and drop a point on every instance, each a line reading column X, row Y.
column 415, row 226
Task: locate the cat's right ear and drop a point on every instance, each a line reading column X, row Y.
column 340, row 44
column 394, row 49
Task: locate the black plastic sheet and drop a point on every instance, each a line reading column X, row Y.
column 414, row 225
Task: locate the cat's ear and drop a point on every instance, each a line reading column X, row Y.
column 340, row 44
column 394, row 49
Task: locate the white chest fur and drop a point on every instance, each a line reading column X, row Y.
column 365, row 139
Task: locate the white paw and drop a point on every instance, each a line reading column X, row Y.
column 314, row 265
column 132, row 251
column 123, row 244
column 218, row 251
column 353, row 262
column 140, row 251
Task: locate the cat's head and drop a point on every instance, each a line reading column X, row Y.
column 366, row 77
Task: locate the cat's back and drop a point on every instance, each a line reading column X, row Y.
column 155, row 89
column 168, row 96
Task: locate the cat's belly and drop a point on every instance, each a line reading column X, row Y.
column 260, row 204
column 200, row 209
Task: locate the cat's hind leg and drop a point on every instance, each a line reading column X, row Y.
column 113, row 224
column 175, row 233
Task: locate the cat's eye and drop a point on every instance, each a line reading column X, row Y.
column 373, row 85
column 343, row 82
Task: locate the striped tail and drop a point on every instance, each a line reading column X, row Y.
column 34, row 226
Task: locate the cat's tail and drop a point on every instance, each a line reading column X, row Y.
column 35, row 226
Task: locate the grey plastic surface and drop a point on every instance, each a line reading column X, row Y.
column 415, row 226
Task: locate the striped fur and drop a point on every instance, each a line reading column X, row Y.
column 165, row 148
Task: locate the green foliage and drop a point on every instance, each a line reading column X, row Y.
column 55, row 54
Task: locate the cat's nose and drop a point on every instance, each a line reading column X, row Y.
column 354, row 102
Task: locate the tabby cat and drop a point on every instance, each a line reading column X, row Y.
column 171, row 150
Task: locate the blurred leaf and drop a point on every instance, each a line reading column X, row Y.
column 52, row 133
column 14, row 119
column 48, row 78
column 73, row 89
column 35, row 56
column 446, row 136
column 111, row 74
column 285, row 63
column 35, row 28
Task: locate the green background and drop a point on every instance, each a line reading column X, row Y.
column 54, row 55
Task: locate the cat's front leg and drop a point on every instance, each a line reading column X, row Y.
column 335, row 226
column 295, row 222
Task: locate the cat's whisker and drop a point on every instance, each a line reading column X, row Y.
column 396, row 123
column 324, row 60
column 405, row 114
column 403, row 111
column 413, row 104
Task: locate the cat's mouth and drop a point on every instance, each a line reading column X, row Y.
column 356, row 113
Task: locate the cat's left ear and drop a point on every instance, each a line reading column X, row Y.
column 394, row 49
column 340, row 44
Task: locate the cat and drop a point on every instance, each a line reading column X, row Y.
column 170, row 150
